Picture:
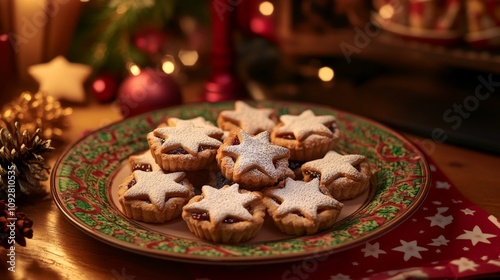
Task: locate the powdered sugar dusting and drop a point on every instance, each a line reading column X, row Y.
column 251, row 120
column 256, row 152
column 157, row 186
column 303, row 197
column 334, row 165
column 223, row 203
column 143, row 159
column 306, row 124
column 188, row 137
column 196, row 122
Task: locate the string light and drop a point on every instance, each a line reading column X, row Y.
column 266, row 8
column 326, row 74
column 134, row 69
column 168, row 67
column 386, row 11
column 187, row 57
column 168, row 64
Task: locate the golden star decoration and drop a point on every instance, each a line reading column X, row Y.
column 61, row 78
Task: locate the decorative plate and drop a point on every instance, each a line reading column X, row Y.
column 85, row 180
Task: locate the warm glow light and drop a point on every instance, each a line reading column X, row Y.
column 266, row 8
column 134, row 69
column 168, row 67
column 188, row 58
column 326, row 74
column 121, row 9
column 386, row 11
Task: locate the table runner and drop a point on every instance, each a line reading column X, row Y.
column 448, row 237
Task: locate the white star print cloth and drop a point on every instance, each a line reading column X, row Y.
column 448, row 237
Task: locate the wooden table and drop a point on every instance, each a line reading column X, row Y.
column 59, row 250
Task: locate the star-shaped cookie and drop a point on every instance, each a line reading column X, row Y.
column 158, row 186
column 196, row 122
column 189, row 137
column 251, row 120
column 61, row 78
column 302, row 197
column 334, row 165
column 144, row 162
column 306, row 124
column 224, row 202
column 256, row 152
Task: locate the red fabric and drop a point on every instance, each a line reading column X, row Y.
column 448, row 237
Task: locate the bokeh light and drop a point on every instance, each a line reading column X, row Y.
column 266, row 8
column 326, row 74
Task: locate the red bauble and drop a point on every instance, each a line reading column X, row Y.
column 148, row 91
column 149, row 40
column 103, row 87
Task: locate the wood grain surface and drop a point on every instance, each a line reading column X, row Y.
column 59, row 250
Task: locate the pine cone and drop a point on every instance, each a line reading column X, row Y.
column 14, row 226
column 23, row 154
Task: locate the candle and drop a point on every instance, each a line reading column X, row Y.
column 38, row 30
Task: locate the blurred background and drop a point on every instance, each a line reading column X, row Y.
column 426, row 67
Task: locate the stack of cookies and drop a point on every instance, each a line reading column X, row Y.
column 223, row 180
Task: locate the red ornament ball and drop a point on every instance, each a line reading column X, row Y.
column 103, row 87
column 148, row 91
column 149, row 40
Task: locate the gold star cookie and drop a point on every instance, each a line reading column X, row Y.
column 225, row 215
column 251, row 120
column 184, row 147
column 61, row 79
column 252, row 160
column 307, row 136
column 300, row 207
column 345, row 176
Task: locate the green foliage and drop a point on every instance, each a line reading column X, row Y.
column 103, row 37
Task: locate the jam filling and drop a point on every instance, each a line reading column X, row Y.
column 313, row 174
column 200, row 216
column 182, row 151
column 231, row 220
column 288, row 136
column 236, row 141
column 358, row 167
column 131, row 183
column 161, row 140
column 142, row 167
column 204, row 216
column 177, row 151
column 204, row 147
